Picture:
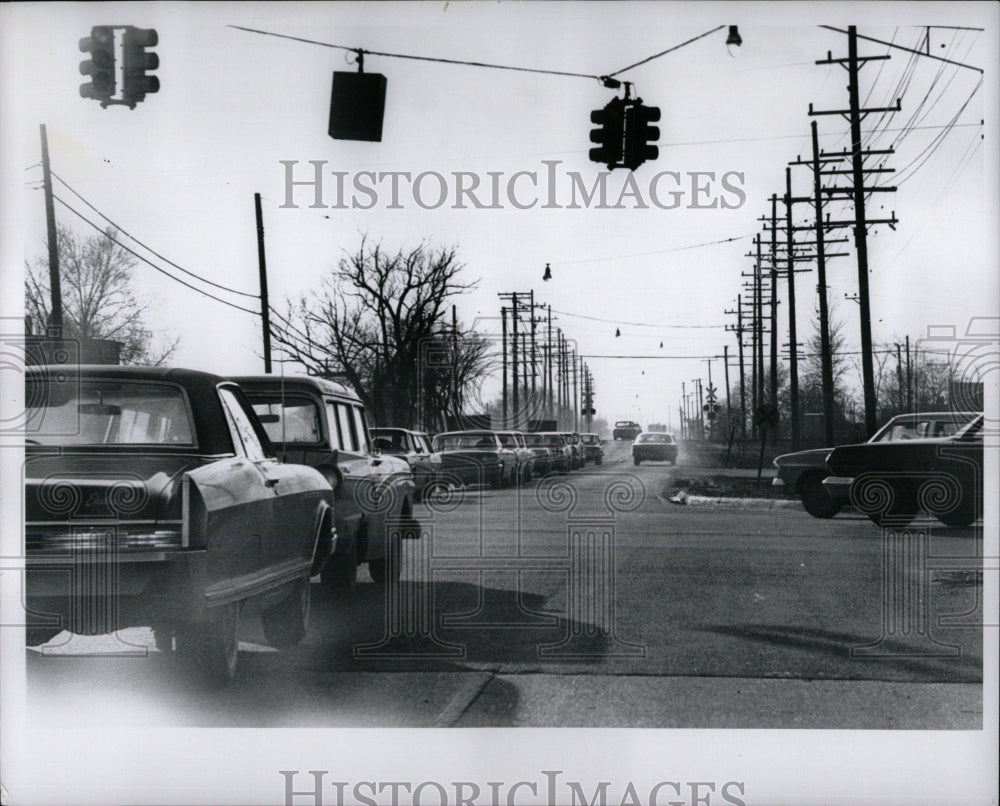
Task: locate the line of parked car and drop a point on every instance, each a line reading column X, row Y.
column 931, row 461
column 187, row 502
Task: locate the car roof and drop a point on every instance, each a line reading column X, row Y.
column 210, row 424
column 480, row 433
column 298, row 381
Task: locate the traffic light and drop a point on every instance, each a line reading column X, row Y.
column 101, row 64
column 611, row 119
column 357, row 106
column 639, row 135
column 136, row 61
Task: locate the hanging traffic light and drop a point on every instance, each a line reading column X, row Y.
column 639, row 135
column 136, row 62
column 357, row 105
column 611, row 119
column 101, row 64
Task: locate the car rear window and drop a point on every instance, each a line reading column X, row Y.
column 111, row 412
column 295, row 420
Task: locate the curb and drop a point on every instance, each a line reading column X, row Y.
column 723, row 502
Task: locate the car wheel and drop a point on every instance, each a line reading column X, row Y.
column 285, row 623
column 901, row 509
column 387, row 569
column 213, row 648
column 964, row 514
column 599, row 460
column 635, row 460
column 34, row 636
column 340, row 573
column 815, row 499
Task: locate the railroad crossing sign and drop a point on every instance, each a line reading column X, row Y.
column 766, row 416
column 710, row 393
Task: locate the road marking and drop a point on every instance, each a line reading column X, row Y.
column 471, row 687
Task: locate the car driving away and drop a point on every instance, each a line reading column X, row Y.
column 654, row 447
column 154, row 498
column 593, row 448
column 803, row 472
column 475, row 458
column 626, row 429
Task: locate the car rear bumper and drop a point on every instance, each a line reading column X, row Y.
column 101, row 592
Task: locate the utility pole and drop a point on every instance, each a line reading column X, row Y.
column 576, row 397
column 793, row 361
column 725, row 363
column 899, row 376
column 55, row 323
column 684, row 410
column 759, row 290
column 855, row 114
column 534, row 400
column 909, row 379
column 265, row 313
column 454, row 362
column 548, row 356
column 774, row 300
column 503, row 319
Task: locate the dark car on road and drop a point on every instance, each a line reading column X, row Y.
column 475, row 458
column 803, row 472
column 654, row 447
column 562, row 452
column 626, row 429
column 320, row 423
column 593, row 448
column 415, row 448
column 892, row 481
column 153, row 497
column 546, row 458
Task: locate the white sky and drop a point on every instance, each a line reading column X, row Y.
column 179, row 172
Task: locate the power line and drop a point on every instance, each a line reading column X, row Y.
column 654, row 252
column 665, row 52
column 149, row 249
column 364, row 51
column 136, row 255
column 909, row 50
column 631, row 324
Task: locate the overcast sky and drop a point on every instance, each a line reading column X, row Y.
column 179, row 172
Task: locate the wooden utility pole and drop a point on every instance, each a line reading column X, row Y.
column 265, row 310
column 858, row 191
column 548, row 357
column 503, row 373
column 55, row 322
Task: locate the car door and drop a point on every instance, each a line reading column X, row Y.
column 290, row 534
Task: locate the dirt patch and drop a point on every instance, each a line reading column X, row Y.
column 724, row 487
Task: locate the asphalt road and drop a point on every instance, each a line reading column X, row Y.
column 589, row 600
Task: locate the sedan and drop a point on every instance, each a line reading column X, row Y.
column 153, row 497
column 891, row 481
column 415, row 448
column 475, row 457
column 803, row 472
column 593, row 448
column 654, row 446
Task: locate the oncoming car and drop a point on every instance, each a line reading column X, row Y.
column 654, row 446
column 626, row 429
column 153, row 497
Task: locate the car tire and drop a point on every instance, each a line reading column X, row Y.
column 213, row 648
column 599, row 460
column 964, row 514
column 387, row 569
column 285, row 623
column 815, row 499
column 902, row 509
column 35, row 636
column 340, row 574
column 635, row 460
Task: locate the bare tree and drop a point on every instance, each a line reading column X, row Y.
column 378, row 321
column 98, row 300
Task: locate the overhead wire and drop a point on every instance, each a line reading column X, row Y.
column 150, row 249
column 135, row 254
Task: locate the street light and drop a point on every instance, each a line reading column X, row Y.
column 734, row 40
column 548, row 273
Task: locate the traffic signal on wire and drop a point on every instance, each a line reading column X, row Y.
column 136, row 62
column 101, row 64
column 609, row 136
column 640, row 136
